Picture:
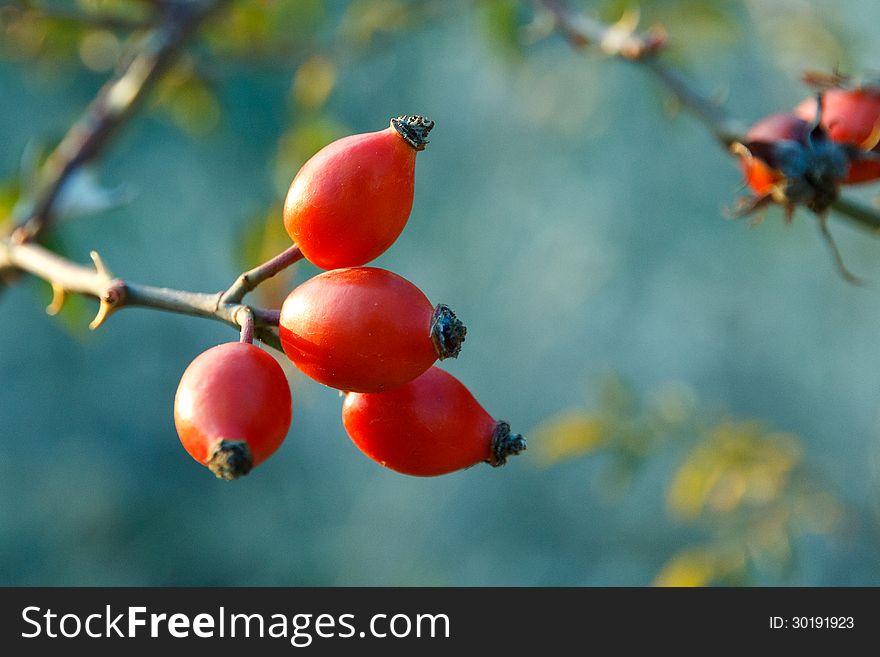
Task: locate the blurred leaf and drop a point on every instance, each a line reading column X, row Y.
column 737, row 463
column 262, row 237
column 9, row 193
column 56, row 32
column 29, row 35
column 99, row 50
column 568, row 436
column 259, row 27
column 702, row 566
column 187, row 99
column 313, row 82
column 131, row 9
column 803, row 35
column 691, row 567
column 502, row 22
column 299, row 143
column 365, row 20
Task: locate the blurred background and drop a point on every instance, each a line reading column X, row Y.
column 701, row 397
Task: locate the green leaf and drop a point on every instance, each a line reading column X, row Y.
column 502, row 22
column 187, row 99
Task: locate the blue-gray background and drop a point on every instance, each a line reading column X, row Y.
column 570, row 221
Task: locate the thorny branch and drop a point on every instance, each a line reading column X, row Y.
column 113, row 105
column 623, row 41
column 115, row 293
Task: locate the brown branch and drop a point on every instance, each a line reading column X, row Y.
column 623, row 41
column 864, row 216
column 115, row 293
column 113, row 105
column 252, row 278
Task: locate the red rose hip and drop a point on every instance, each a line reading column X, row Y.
column 760, row 176
column 352, row 199
column 851, row 116
column 233, row 408
column 364, row 329
column 430, row 426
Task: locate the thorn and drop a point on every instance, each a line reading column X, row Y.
column 847, row 275
column 617, row 36
column 100, row 266
column 59, row 295
column 740, row 149
column 749, row 205
column 104, row 311
column 111, row 300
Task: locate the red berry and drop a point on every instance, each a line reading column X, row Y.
column 760, row 176
column 850, row 116
column 430, row 426
column 788, row 161
column 364, row 329
column 232, row 409
column 351, row 200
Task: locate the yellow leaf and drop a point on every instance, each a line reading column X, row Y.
column 568, row 436
column 693, row 567
column 313, row 82
column 738, row 462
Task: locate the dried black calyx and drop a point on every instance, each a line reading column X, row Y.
column 447, row 332
column 413, row 129
column 505, row 444
column 231, row 459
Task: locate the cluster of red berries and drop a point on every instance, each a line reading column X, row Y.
column 802, row 157
column 365, row 331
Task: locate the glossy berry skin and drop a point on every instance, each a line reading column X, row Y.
column 758, row 174
column 233, row 408
column 850, row 116
column 365, row 329
column 352, row 199
column 430, row 426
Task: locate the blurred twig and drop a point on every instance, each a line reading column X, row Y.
column 113, row 105
column 115, row 293
column 623, row 41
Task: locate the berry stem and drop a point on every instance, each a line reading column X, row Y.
column 250, row 279
column 447, row 332
column 413, row 129
column 231, row 459
column 505, row 444
column 245, row 319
